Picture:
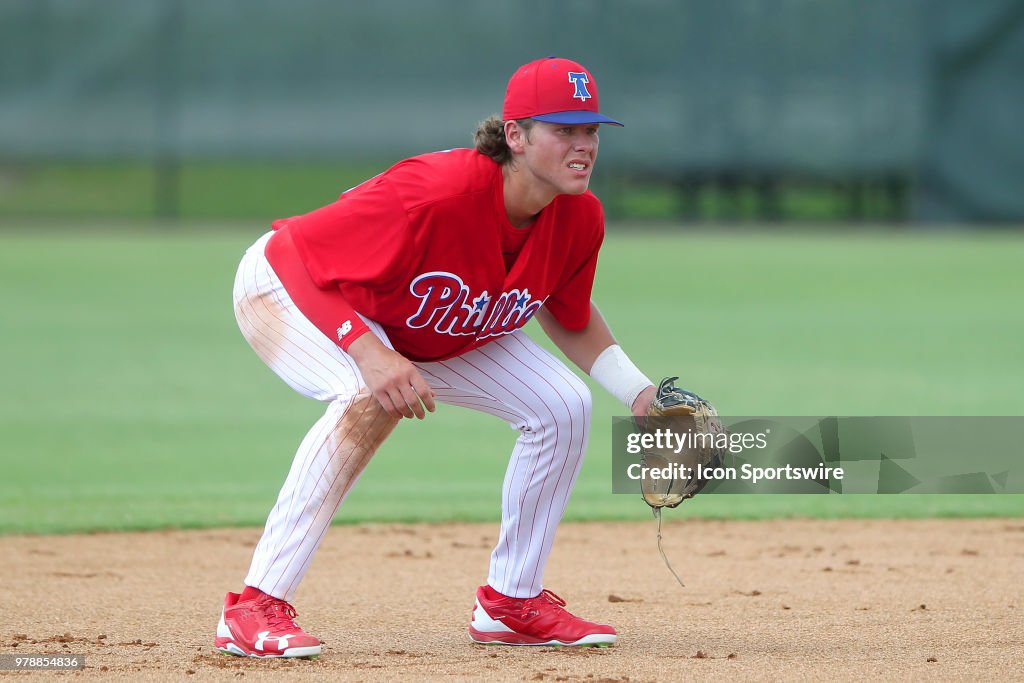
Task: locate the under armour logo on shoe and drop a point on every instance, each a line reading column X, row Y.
column 263, row 636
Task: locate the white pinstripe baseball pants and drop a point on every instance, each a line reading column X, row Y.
column 511, row 378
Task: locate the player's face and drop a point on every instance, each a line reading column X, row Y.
column 562, row 156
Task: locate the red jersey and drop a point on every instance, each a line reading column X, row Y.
column 418, row 249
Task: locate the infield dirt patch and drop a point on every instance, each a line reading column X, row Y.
column 777, row 600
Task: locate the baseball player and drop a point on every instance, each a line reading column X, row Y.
column 413, row 288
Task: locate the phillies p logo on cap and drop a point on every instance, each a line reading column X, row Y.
column 579, row 78
column 554, row 90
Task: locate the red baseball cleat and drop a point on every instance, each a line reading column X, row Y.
column 262, row 627
column 540, row 620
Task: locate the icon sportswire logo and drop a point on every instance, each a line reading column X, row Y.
column 447, row 305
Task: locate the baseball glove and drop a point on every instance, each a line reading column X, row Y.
column 696, row 440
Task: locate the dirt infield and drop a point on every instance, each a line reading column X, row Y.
column 788, row 600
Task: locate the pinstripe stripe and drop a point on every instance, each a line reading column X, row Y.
column 338, row 488
column 507, row 543
column 296, row 517
column 559, row 458
column 530, row 453
column 551, row 407
column 581, row 431
column 274, row 335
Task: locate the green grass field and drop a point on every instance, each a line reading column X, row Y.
column 131, row 401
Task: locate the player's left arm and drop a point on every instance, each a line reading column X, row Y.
column 595, row 342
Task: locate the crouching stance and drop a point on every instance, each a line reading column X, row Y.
column 412, row 289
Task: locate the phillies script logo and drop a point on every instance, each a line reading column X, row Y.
column 445, row 304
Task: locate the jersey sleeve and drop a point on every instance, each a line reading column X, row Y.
column 570, row 302
column 328, row 310
column 363, row 238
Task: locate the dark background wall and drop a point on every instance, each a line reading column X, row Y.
column 908, row 106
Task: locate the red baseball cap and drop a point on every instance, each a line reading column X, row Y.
column 554, row 90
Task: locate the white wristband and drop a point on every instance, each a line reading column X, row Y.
column 614, row 371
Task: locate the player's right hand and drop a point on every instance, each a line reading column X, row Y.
column 392, row 378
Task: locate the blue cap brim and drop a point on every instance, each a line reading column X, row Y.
column 575, row 117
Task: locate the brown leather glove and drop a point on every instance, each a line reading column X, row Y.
column 699, row 439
